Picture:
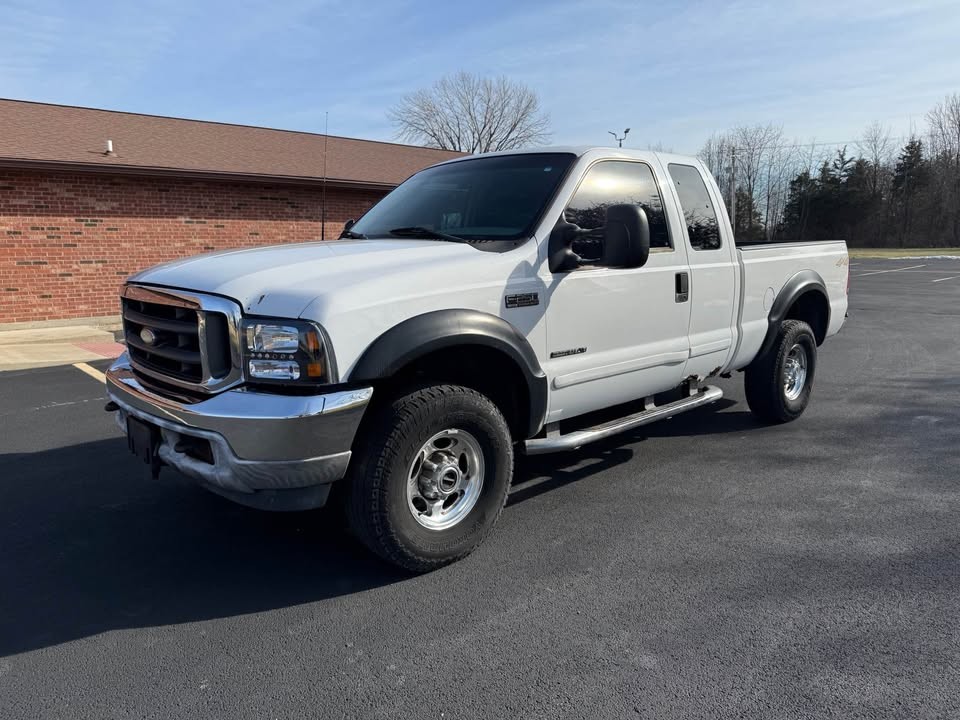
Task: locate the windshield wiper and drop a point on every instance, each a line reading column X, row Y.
column 418, row 231
column 351, row 235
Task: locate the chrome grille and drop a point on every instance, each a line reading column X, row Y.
column 185, row 339
column 164, row 338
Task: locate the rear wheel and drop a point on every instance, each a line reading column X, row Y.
column 431, row 476
column 778, row 384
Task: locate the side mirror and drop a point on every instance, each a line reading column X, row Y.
column 562, row 257
column 626, row 241
column 626, row 237
column 345, row 233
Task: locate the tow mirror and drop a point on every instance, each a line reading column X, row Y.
column 562, row 257
column 626, row 237
column 626, row 240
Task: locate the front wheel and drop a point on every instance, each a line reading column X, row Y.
column 778, row 384
column 431, row 476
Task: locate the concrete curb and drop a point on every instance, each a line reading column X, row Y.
column 55, row 335
column 23, row 349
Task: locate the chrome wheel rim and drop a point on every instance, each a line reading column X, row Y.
column 445, row 479
column 795, row 372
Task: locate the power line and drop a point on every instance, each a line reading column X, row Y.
column 858, row 141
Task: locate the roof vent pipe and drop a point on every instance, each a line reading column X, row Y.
column 109, row 150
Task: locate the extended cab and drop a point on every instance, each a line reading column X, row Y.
column 488, row 305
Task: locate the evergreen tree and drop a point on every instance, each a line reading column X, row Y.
column 909, row 178
column 749, row 223
column 910, row 171
column 869, row 199
column 796, row 213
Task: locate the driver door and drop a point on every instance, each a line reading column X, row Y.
column 617, row 334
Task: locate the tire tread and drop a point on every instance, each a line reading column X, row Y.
column 384, row 437
column 762, row 383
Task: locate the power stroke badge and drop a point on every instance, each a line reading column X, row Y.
column 565, row 353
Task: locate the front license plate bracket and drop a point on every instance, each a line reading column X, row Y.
column 143, row 439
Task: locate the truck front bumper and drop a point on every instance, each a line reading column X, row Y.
column 278, row 452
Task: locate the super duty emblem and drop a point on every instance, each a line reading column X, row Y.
column 522, row 300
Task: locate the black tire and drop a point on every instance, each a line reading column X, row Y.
column 765, row 378
column 377, row 502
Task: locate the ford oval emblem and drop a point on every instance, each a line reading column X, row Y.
column 148, row 336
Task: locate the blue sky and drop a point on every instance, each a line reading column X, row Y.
column 674, row 72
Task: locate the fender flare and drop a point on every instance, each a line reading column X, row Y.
column 439, row 329
column 805, row 281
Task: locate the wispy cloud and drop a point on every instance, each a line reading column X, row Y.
column 66, row 53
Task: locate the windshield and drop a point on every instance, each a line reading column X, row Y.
column 485, row 199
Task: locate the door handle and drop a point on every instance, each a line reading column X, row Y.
column 682, row 287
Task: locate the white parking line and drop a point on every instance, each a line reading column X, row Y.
column 877, row 272
column 947, row 278
column 91, row 371
column 941, row 271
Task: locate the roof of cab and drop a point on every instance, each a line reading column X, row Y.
column 581, row 150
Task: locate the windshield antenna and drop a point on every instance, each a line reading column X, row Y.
column 323, row 200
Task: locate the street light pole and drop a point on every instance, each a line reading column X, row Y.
column 619, row 138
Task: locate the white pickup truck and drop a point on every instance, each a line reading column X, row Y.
column 488, row 305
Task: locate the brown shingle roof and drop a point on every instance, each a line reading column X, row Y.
column 51, row 135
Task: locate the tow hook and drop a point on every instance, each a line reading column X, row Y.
column 111, row 407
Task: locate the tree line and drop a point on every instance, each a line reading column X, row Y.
column 875, row 193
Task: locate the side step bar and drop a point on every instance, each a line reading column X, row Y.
column 555, row 442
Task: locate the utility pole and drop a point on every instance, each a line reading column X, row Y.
column 619, row 138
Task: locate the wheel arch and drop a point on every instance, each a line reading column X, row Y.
column 441, row 339
column 803, row 297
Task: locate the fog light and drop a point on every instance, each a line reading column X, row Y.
column 274, row 369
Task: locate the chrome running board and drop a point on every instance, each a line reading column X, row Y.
column 555, row 442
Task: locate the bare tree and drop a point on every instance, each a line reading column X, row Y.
column 658, row 146
column 472, row 114
column 754, row 146
column 778, row 164
column 717, row 154
column 878, row 147
column 944, row 129
column 766, row 163
column 944, row 121
column 761, row 172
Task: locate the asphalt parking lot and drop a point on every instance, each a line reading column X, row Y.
column 704, row 567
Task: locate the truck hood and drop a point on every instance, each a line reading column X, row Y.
column 284, row 279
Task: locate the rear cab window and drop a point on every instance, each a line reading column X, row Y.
column 699, row 214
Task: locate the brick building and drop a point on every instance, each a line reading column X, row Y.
column 78, row 215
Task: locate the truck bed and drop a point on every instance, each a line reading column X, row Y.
column 764, row 270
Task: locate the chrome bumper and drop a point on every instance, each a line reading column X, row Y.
column 269, row 451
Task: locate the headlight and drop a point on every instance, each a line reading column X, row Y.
column 286, row 351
